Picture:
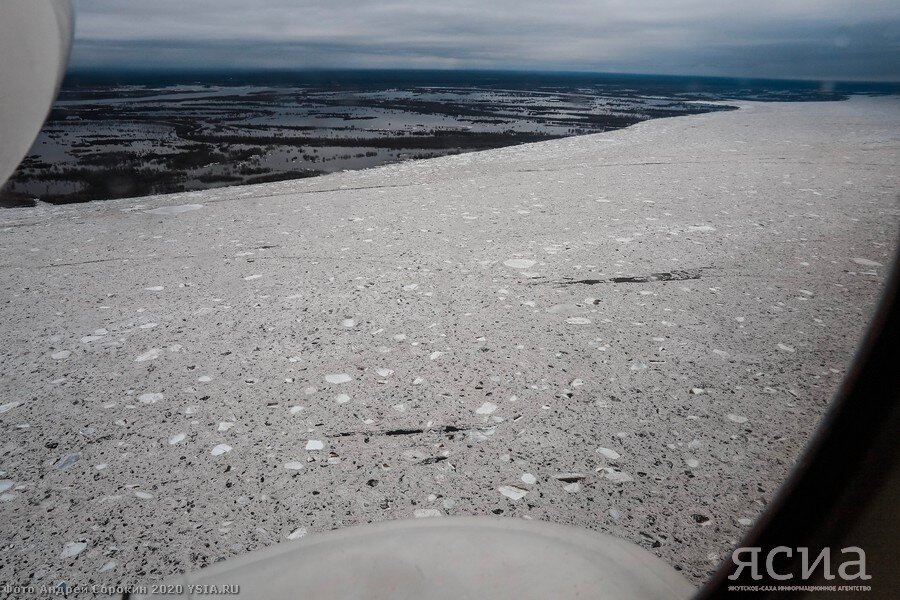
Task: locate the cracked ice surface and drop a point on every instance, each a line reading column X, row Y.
column 507, row 332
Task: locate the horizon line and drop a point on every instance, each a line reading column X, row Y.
column 138, row 70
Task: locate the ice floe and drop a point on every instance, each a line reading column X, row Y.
column 172, row 211
column 338, row 378
column 865, row 262
column 150, row 354
column 512, row 492
column 108, row 566
column 72, row 549
column 616, row 476
column 220, row 450
column 610, row 454
column 487, row 408
column 67, row 461
column 8, row 406
column 519, row 263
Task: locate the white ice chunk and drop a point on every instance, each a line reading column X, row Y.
column 171, row 211
column 865, row 262
column 72, row 549
column 486, row 409
column 220, row 449
column 338, row 378
column 519, row 263
column 512, row 492
column 610, row 454
column 150, row 354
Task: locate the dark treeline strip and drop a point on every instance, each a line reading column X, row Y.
column 438, row 140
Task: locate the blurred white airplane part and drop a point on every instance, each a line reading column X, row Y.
column 35, row 36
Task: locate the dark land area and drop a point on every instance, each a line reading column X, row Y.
column 115, row 135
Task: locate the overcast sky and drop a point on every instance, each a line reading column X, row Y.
column 830, row 39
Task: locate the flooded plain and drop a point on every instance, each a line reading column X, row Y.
column 137, row 135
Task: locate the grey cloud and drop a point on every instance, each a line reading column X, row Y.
column 836, row 39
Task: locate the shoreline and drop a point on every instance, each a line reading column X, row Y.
column 133, row 142
column 279, row 184
column 254, row 363
column 283, row 187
